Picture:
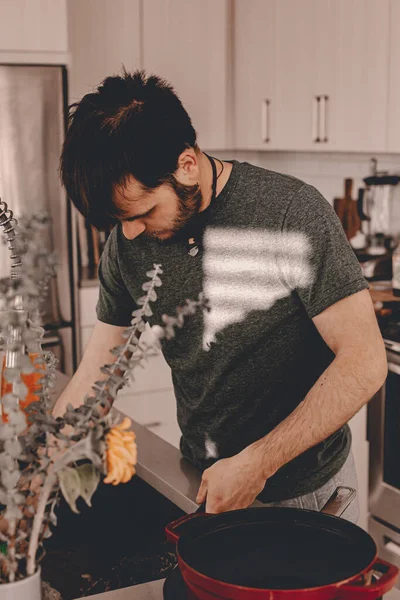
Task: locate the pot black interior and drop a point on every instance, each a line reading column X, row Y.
column 276, row 548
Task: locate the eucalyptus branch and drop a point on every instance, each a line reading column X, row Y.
column 55, row 473
column 77, row 452
column 122, row 366
column 45, row 493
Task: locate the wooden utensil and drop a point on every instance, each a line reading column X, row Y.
column 346, row 210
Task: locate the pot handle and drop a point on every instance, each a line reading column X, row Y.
column 339, row 501
column 172, row 530
column 387, row 580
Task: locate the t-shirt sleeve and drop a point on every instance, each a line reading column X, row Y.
column 115, row 304
column 317, row 260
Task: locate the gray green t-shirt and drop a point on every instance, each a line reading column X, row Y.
column 274, row 255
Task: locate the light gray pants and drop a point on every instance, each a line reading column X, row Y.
column 347, row 476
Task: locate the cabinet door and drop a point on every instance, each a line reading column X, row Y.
column 393, row 120
column 357, row 107
column 295, row 67
column 186, row 42
column 103, row 36
column 254, row 74
column 33, row 26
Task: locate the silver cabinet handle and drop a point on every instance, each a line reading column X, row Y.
column 265, row 120
column 324, row 118
column 316, row 108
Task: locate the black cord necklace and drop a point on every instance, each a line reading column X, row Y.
column 193, row 243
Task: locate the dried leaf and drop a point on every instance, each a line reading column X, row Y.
column 89, row 479
column 13, row 448
column 153, row 295
column 20, row 389
column 141, row 326
column 27, row 367
column 147, row 311
column 70, row 486
column 12, row 512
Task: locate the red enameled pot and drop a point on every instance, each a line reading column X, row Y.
column 278, row 554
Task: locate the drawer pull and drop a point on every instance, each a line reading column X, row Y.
column 392, row 547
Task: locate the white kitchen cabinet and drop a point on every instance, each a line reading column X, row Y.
column 88, row 297
column 187, row 42
column 254, row 81
column 325, row 74
column 275, row 73
column 33, row 26
column 103, row 37
column 295, row 25
column 359, row 75
column 154, row 410
column 393, row 121
column 32, row 29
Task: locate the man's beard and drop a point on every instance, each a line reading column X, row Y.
column 189, row 199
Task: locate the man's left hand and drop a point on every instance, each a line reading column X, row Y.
column 231, row 483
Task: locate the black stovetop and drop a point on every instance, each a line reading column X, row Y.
column 117, row 543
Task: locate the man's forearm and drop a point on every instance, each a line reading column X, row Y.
column 103, row 338
column 339, row 393
column 75, row 391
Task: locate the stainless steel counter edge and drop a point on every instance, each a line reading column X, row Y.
column 160, row 464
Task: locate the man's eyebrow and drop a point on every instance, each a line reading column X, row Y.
column 135, row 217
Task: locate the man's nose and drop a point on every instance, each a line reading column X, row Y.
column 132, row 229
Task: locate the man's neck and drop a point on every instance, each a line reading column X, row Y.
column 206, row 177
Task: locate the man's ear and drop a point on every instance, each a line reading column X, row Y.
column 188, row 170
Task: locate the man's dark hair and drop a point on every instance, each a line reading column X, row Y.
column 133, row 124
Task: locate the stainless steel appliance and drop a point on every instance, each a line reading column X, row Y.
column 32, row 125
column 379, row 210
column 384, row 439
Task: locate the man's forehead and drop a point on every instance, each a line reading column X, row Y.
column 131, row 190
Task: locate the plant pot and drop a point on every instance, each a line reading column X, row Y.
column 24, row 589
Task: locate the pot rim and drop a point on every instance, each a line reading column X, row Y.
column 243, row 588
column 23, row 581
column 230, row 586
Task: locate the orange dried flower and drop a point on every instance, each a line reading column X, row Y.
column 121, row 453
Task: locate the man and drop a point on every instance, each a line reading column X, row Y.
column 266, row 382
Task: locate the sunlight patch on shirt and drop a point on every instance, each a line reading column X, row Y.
column 211, row 447
column 250, row 269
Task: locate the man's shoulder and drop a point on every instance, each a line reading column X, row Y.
column 266, row 193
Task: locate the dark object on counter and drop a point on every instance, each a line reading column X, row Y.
column 376, row 260
column 347, row 211
column 174, row 586
column 118, row 542
column 245, row 554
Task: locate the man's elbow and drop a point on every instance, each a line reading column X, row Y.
column 376, row 368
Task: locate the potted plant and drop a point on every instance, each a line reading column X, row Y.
column 42, row 457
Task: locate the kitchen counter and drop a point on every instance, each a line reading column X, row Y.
column 161, row 466
column 154, row 591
